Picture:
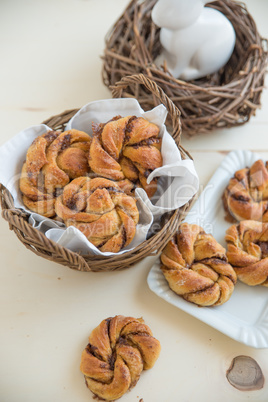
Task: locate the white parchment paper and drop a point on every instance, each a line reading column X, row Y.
column 177, row 178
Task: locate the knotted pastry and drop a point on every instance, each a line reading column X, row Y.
column 246, row 196
column 118, row 350
column 196, row 267
column 248, row 251
column 126, row 147
column 52, row 160
column 101, row 210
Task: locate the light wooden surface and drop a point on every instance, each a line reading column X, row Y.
column 50, row 61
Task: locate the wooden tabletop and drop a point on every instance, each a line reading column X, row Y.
column 51, row 61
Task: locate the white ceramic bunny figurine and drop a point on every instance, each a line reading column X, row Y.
column 197, row 40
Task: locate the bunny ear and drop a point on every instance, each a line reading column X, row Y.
column 156, row 11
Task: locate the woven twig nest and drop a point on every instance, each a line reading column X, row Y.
column 37, row 242
column 225, row 99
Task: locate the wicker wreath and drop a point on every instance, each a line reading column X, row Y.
column 38, row 243
column 224, row 99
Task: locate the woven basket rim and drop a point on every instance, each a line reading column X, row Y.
column 38, row 243
column 225, row 99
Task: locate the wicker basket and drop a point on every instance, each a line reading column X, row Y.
column 225, row 99
column 40, row 245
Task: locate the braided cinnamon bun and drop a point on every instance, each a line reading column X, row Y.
column 100, row 210
column 248, row 251
column 246, row 196
column 52, row 160
column 126, row 148
column 119, row 349
column 196, row 268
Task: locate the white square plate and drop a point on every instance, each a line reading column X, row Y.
column 245, row 316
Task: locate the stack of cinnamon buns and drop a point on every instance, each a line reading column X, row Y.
column 89, row 182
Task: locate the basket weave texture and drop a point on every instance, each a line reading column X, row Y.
column 38, row 243
column 226, row 98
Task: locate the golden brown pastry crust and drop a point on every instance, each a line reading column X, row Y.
column 246, row 196
column 101, row 210
column 117, row 352
column 126, row 148
column 196, row 267
column 248, row 251
column 52, row 160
